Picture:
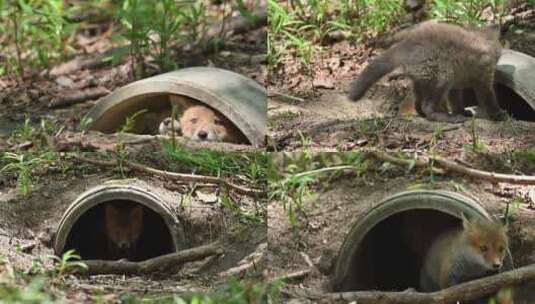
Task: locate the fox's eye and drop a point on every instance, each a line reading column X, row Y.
column 501, row 249
column 218, row 122
column 194, row 120
column 483, row 248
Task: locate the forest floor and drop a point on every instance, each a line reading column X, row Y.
column 315, row 104
column 56, row 177
column 337, row 204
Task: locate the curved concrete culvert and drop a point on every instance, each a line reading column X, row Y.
column 238, row 98
column 514, row 85
column 386, row 246
column 515, row 89
column 82, row 226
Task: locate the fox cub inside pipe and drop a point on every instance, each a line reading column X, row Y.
column 123, row 226
column 200, row 123
column 461, row 254
column 441, row 60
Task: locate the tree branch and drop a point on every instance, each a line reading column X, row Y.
column 463, row 292
column 155, row 264
column 448, row 165
column 178, row 176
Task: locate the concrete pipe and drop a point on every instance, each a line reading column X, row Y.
column 238, row 98
column 84, row 225
column 386, row 246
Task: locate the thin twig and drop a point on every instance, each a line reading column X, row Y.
column 448, row 165
column 174, row 175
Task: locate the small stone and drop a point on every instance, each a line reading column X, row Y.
column 64, row 81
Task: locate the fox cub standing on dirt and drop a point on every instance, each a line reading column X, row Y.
column 460, row 255
column 441, row 59
column 200, row 123
column 123, row 226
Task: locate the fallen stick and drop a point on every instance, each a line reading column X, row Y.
column 239, row 24
column 490, row 176
column 159, row 263
column 451, row 166
column 178, row 176
column 94, row 140
column 459, row 293
column 78, row 97
column 404, row 162
column 292, row 276
column 133, row 139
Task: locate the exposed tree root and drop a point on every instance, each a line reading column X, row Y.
column 156, row 264
column 463, row 292
column 178, row 176
column 451, row 166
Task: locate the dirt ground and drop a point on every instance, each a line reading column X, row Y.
column 339, row 204
column 30, row 222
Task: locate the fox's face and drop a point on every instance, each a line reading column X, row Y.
column 200, row 123
column 123, row 225
column 489, row 240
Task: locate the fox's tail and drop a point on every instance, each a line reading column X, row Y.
column 372, row 73
column 380, row 66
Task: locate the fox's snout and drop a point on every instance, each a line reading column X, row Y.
column 123, row 244
column 202, row 134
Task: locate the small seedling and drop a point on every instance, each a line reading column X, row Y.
column 68, row 262
column 130, row 122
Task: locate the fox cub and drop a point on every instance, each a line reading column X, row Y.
column 460, row 255
column 123, row 226
column 200, row 123
column 441, row 60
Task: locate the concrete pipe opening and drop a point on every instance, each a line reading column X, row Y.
column 509, row 100
column 514, row 79
column 386, row 246
column 239, row 99
column 120, row 220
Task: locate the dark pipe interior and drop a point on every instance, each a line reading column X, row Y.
column 511, row 102
column 515, row 105
column 391, row 254
column 89, row 238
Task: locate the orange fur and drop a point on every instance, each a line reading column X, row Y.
column 123, row 225
column 460, row 255
column 201, row 123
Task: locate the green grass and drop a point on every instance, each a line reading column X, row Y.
column 294, row 177
column 302, row 28
column 251, row 165
column 37, row 34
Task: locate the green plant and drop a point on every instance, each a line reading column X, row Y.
column 130, row 123
column 206, row 161
column 228, row 203
column 40, row 31
column 466, row 11
column 67, row 263
column 23, row 165
column 135, row 17
column 121, row 155
column 32, row 293
column 25, row 132
column 291, row 181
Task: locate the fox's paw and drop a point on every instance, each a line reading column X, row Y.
column 500, row 115
column 456, row 119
